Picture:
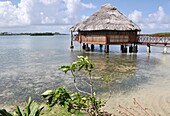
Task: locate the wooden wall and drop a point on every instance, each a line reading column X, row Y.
column 108, row 37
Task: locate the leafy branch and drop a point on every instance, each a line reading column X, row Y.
column 81, row 63
column 75, row 101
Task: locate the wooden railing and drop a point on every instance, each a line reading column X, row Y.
column 153, row 39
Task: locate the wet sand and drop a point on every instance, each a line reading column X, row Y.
column 153, row 96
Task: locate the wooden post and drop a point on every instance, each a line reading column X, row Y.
column 106, row 45
column 71, row 46
column 101, row 46
column 87, row 47
column 124, row 49
column 130, row 48
column 148, row 50
column 106, row 48
column 135, row 48
column 121, row 48
column 84, row 46
column 165, row 49
column 92, row 47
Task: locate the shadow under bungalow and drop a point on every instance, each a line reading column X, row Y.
column 108, row 26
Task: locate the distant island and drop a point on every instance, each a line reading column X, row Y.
column 32, row 34
column 43, row 34
column 162, row 34
column 167, row 34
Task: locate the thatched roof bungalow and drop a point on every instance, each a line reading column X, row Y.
column 106, row 26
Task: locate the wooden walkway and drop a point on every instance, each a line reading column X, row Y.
column 152, row 39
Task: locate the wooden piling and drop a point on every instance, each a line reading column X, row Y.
column 106, row 48
column 148, row 50
column 87, row 47
column 92, row 47
column 71, row 46
column 130, row 49
column 84, row 46
column 165, row 49
column 101, row 47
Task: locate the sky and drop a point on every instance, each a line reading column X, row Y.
column 17, row 16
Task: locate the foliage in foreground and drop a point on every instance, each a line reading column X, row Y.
column 59, row 111
column 73, row 102
column 32, row 109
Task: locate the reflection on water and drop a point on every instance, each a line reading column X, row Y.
column 29, row 66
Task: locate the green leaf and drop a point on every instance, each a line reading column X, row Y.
column 80, row 66
column 34, row 108
column 73, row 67
column 47, row 93
column 3, row 112
column 28, row 110
column 41, row 107
column 19, row 111
column 50, row 100
column 80, row 57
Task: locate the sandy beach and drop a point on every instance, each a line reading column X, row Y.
column 154, row 96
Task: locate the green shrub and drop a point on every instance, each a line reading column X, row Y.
column 32, row 109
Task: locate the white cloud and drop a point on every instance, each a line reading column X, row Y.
column 90, row 5
column 73, row 10
column 10, row 15
column 47, row 2
column 41, row 12
column 135, row 16
column 157, row 21
column 158, row 16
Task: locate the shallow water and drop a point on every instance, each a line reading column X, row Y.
column 29, row 66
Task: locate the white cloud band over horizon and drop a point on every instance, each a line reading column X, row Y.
column 60, row 15
column 36, row 12
column 41, row 13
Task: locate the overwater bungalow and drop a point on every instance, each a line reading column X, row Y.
column 108, row 26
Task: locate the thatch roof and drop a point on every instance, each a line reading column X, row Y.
column 107, row 18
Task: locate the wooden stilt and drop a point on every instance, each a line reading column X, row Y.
column 148, row 50
column 165, row 49
column 101, row 47
column 87, row 47
column 125, row 49
column 121, row 48
column 135, row 48
column 106, row 48
column 71, row 46
column 84, row 46
column 130, row 48
column 92, row 47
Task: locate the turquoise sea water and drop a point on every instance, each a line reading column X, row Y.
column 29, row 66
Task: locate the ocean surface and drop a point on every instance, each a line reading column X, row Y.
column 29, row 66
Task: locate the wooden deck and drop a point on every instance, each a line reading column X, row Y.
column 123, row 39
